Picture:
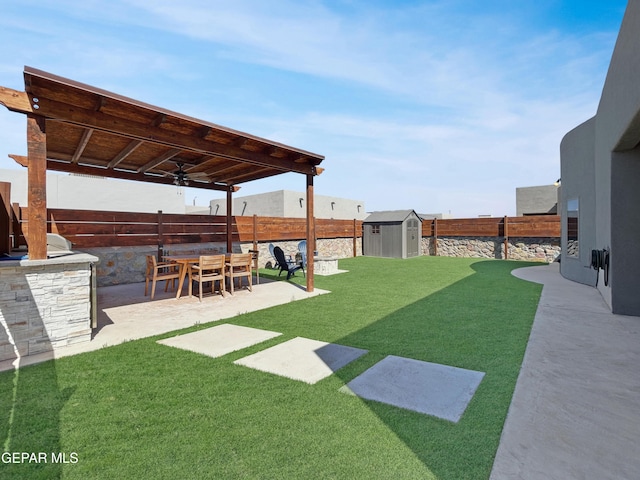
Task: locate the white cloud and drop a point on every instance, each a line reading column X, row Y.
column 452, row 109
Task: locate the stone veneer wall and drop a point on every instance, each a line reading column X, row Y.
column 44, row 304
column 531, row 249
column 326, row 247
column 543, row 249
column 119, row 265
column 338, row 247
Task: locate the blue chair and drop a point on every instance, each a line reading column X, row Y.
column 302, row 249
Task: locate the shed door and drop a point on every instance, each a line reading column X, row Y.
column 372, row 241
column 413, row 241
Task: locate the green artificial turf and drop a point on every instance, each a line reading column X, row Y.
column 145, row 410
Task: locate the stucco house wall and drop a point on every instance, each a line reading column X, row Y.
column 538, row 200
column 288, row 203
column 577, row 151
column 613, row 185
column 97, row 193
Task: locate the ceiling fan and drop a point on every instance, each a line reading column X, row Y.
column 181, row 178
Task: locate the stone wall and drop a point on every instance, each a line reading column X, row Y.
column 338, row 247
column 536, row 249
column 119, row 265
column 542, row 249
column 326, row 247
column 44, row 304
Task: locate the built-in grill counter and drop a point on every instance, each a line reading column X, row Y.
column 46, row 304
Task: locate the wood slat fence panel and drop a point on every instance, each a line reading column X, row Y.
column 87, row 228
column 534, row 226
column 330, row 228
column 529, row 226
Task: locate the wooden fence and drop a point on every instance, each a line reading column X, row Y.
column 88, row 228
column 529, row 226
column 534, row 226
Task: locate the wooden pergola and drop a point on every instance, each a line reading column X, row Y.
column 77, row 128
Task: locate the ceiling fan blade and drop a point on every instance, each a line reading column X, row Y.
column 198, row 175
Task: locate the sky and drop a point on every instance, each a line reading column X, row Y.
column 441, row 106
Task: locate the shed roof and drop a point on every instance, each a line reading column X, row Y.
column 389, row 216
column 93, row 131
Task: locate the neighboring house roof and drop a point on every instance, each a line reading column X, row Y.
column 389, row 216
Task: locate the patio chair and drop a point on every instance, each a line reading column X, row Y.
column 254, row 259
column 210, row 268
column 290, row 267
column 238, row 266
column 273, row 255
column 157, row 272
column 302, row 250
column 276, row 264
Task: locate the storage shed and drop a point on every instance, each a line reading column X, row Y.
column 394, row 234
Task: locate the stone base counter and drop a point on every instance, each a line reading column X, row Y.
column 44, row 304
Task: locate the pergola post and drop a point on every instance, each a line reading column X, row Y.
column 37, row 191
column 311, row 233
column 229, row 219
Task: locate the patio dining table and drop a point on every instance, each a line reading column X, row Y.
column 184, row 262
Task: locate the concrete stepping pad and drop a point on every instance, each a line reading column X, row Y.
column 220, row 340
column 433, row 389
column 302, row 359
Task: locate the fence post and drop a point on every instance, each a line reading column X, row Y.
column 160, row 237
column 255, row 232
column 435, row 237
column 16, row 226
column 355, row 238
column 506, row 237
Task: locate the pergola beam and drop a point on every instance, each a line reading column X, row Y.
column 15, row 101
column 149, row 133
column 86, row 136
column 59, row 166
column 161, row 159
column 127, row 175
column 124, row 153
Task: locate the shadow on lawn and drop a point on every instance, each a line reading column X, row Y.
column 30, row 405
column 487, row 332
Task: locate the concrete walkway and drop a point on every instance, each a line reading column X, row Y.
column 575, row 413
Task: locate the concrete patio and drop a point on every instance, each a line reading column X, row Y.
column 124, row 313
